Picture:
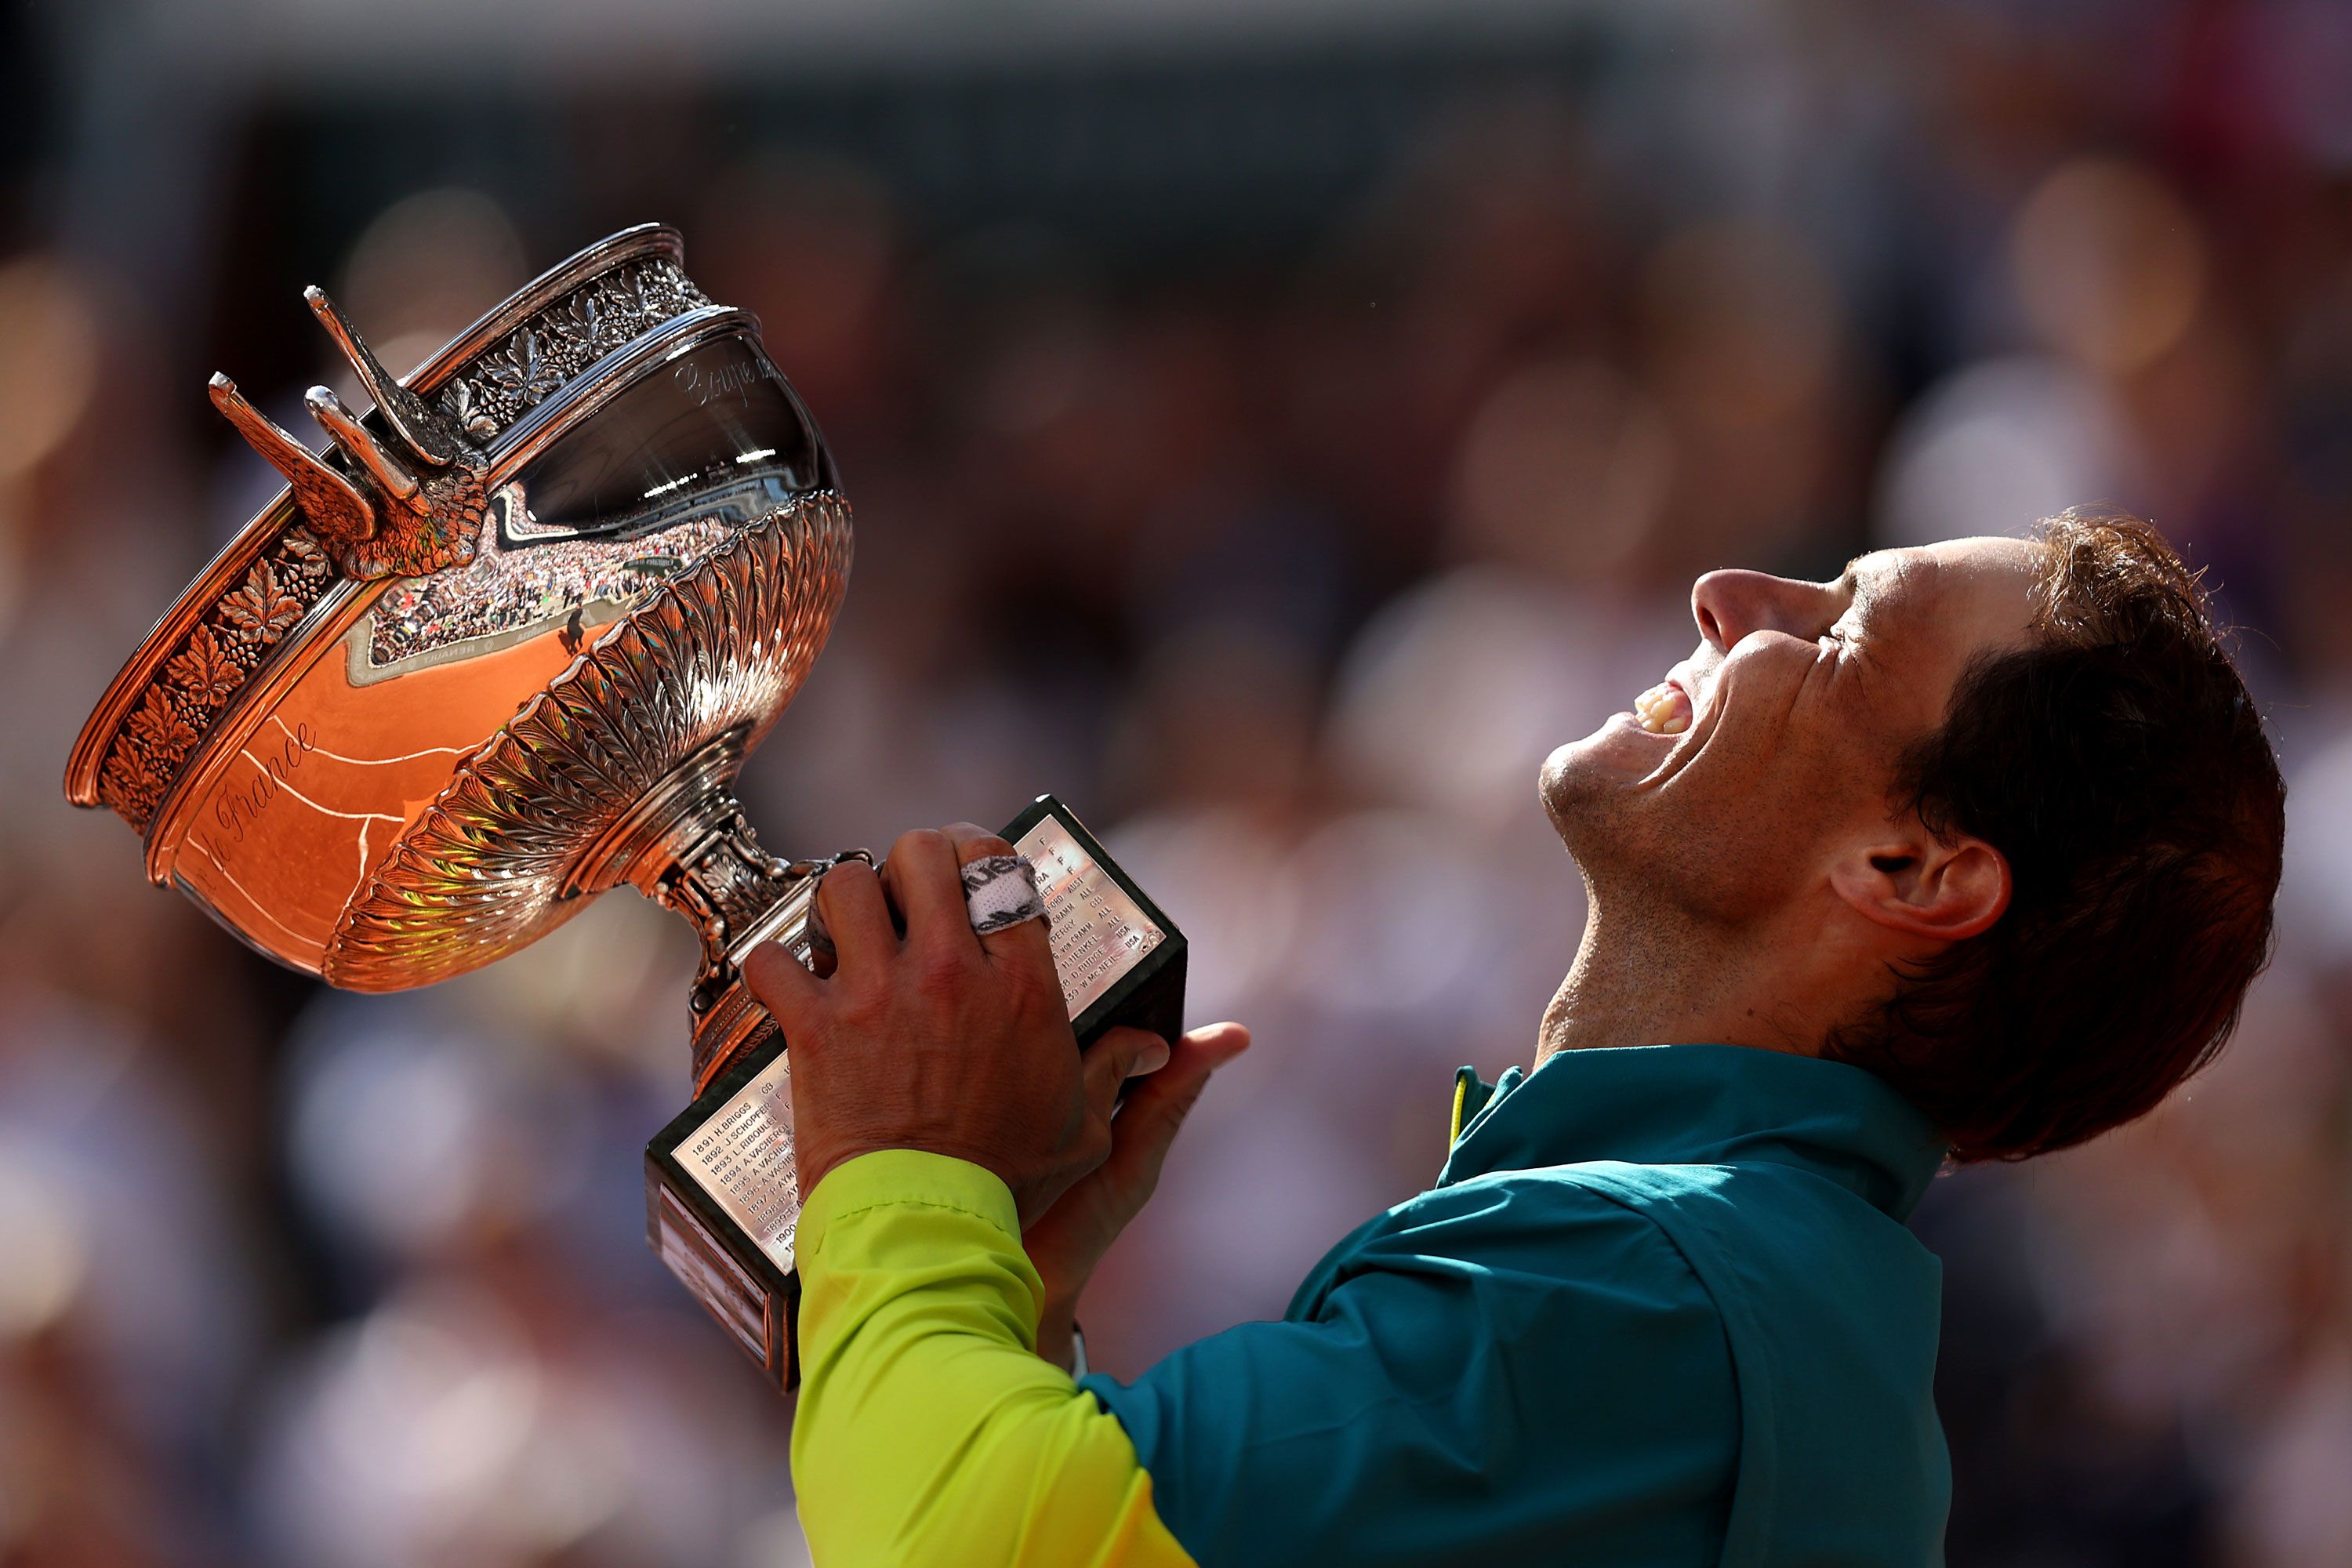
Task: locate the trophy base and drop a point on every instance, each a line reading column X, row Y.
column 722, row 1189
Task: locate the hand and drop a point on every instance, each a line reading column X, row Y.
column 942, row 1039
column 1070, row 1238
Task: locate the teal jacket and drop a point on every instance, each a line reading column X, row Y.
column 1660, row 1308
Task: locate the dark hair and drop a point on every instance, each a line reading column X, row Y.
column 2119, row 765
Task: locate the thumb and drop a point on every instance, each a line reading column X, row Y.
column 1117, row 1056
column 1148, row 1123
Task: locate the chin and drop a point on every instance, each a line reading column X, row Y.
column 1580, row 779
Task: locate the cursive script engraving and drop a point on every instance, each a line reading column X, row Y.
column 734, row 379
column 236, row 810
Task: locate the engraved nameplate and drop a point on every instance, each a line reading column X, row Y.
column 742, row 1157
column 1098, row 932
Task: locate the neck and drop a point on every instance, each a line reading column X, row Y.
column 1651, row 979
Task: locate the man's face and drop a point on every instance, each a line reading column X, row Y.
column 1727, row 789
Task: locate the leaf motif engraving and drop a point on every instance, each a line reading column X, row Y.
column 300, row 549
column 524, row 372
column 627, row 287
column 157, row 726
column 260, row 610
column 203, row 671
column 147, row 721
column 588, row 326
column 125, row 777
column 457, row 402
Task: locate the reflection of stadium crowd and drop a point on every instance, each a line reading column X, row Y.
column 1286, row 578
column 530, row 584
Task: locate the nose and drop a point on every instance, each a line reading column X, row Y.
column 1729, row 606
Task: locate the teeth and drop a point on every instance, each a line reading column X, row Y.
column 1655, row 709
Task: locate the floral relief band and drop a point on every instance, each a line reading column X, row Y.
column 215, row 660
column 561, row 341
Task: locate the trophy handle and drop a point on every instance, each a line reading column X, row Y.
column 737, row 895
column 688, row 846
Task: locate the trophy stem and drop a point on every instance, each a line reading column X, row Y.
column 688, row 846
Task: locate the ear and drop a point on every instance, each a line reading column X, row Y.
column 1913, row 883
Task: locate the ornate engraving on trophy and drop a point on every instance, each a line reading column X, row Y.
column 742, row 1157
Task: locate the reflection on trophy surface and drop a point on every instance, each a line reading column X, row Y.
column 505, row 647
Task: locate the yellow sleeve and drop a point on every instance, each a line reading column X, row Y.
column 928, row 1430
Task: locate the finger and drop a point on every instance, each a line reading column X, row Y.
column 783, row 985
column 1117, row 1056
column 1026, row 943
column 856, row 917
column 922, row 879
column 1147, row 1122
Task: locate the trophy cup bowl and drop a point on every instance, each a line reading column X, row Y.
column 504, row 647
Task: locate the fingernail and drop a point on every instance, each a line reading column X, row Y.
column 1154, row 1058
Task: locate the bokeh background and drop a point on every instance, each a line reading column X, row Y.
column 1272, row 429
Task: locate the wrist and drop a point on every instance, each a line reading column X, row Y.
column 1061, row 1290
column 1058, row 1327
column 813, row 1172
column 888, row 1177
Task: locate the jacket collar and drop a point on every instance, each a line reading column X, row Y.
column 1699, row 1105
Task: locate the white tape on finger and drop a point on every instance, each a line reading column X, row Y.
column 999, row 890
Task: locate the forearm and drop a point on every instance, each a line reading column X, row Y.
column 927, row 1430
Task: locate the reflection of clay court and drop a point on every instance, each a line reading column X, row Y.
column 377, row 756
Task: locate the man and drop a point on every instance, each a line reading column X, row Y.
column 1967, row 855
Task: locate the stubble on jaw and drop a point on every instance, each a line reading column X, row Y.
column 1635, row 938
column 1681, row 901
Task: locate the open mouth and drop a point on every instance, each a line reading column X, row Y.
column 1663, row 709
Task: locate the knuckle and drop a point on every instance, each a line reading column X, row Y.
column 981, row 846
column 844, row 876
column 861, row 1008
column 859, row 992
column 918, row 838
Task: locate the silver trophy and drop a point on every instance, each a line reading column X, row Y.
column 505, row 647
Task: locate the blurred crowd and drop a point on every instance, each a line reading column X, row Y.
column 1284, row 548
